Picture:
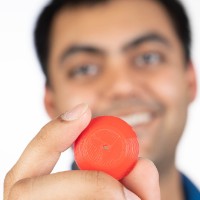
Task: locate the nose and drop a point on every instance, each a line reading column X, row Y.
column 122, row 84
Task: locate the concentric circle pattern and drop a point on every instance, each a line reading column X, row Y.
column 108, row 144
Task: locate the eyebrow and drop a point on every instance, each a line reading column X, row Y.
column 136, row 42
column 150, row 37
column 79, row 49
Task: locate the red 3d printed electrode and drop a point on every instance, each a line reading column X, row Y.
column 109, row 145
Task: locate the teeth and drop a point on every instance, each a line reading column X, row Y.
column 136, row 119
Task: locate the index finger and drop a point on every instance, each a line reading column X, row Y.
column 43, row 152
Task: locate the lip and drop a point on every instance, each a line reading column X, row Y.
column 144, row 126
column 136, row 119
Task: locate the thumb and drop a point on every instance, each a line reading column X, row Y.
column 143, row 180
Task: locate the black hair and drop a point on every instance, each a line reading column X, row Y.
column 180, row 21
column 42, row 31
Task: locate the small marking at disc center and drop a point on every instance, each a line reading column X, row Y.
column 105, row 147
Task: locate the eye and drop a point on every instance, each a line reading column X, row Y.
column 148, row 59
column 84, row 71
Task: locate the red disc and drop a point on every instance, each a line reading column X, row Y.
column 108, row 144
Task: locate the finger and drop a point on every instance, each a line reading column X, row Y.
column 143, row 180
column 71, row 185
column 41, row 155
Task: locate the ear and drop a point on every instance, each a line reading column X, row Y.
column 49, row 102
column 192, row 82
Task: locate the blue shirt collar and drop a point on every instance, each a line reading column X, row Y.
column 191, row 191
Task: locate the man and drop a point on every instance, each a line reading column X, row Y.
column 128, row 58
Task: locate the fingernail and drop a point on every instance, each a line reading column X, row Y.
column 75, row 113
column 129, row 195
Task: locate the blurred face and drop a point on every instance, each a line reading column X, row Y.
column 125, row 62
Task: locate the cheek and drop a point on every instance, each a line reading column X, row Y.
column 170, row 88
column 68, row 97
column 171, row 91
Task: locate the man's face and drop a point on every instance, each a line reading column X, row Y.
column 123, row 58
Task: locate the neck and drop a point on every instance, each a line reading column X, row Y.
column 171, row 185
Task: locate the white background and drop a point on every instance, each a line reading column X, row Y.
column 21, row 88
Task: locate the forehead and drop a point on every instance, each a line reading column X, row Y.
column 109, row 25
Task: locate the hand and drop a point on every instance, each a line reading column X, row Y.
column 30, row 177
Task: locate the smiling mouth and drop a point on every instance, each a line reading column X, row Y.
column 141, row 115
